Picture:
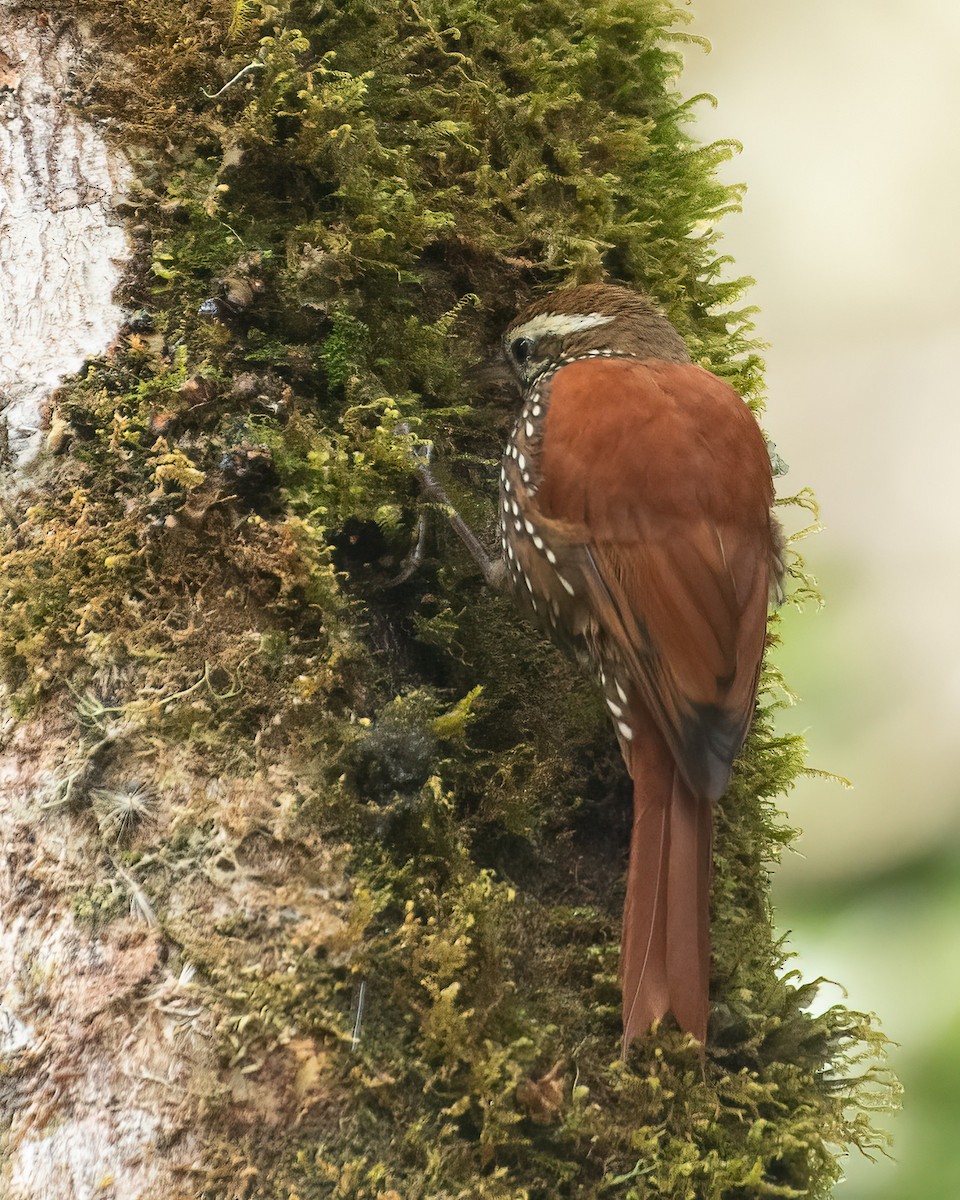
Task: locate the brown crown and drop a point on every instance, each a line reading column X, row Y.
column 638, row 327
column 607, row 298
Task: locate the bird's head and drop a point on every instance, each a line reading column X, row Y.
column 594, row 319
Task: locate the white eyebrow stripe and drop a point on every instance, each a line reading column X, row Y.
column 557, row 325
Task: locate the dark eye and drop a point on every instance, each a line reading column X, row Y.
column 520, row 349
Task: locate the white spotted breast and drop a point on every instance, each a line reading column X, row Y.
column 545, row 569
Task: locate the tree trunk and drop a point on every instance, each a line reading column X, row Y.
column 313, row 852
column 62, row 242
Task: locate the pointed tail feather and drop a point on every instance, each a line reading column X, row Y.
column 665, row 945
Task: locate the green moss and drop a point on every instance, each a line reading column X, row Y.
column 214, row 559
column 100, row 904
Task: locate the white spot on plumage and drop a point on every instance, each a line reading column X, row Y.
column 528, row 526
column 620, row 692
column 517, row 526
column 615, row 708
column 538, row 541
column 568, row 586
column 625, row 730
column 551, row 557
column 529, row 428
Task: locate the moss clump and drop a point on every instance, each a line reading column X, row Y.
column 326, row 249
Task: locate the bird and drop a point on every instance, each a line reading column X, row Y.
column 637, row 532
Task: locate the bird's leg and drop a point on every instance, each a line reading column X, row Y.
column 411, row 564
column 492, row 569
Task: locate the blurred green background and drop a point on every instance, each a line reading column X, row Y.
column 848, row 117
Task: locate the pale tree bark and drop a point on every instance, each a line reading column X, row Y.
column 93, row 1082
column 61, row 244
column 108, row 1050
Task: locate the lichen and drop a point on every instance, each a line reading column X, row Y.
column 326, row 251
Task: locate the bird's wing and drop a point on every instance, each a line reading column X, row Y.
column 655, row 491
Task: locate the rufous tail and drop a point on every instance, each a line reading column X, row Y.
column 665, row 945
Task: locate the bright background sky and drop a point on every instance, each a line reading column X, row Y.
column 848, row 115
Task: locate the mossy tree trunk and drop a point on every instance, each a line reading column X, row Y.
column 313, row 851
